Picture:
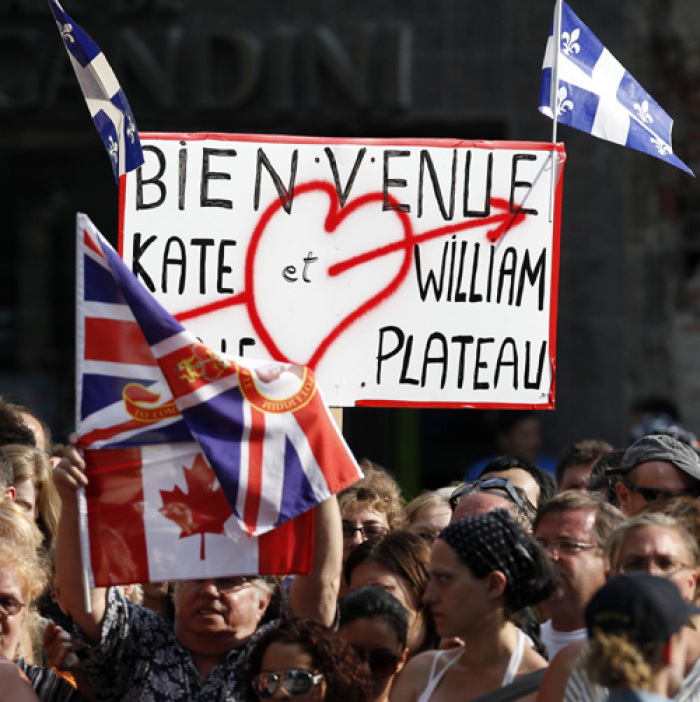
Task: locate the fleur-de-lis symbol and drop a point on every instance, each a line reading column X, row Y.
column 131, row 128
column 113, row 149
column 563, row 102
column 661, row 146
column 643, row 111
column 67, row 32
column 569, row 42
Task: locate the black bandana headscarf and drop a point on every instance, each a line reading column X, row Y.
column 494, row 541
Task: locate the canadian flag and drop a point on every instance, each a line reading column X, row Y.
column 155, row 513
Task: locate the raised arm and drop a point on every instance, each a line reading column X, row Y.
column 315, row 596
column 69, row 476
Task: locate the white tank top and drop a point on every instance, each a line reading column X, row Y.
column 511, row 671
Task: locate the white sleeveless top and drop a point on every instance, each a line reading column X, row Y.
column 511, row 671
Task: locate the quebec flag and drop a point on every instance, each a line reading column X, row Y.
column 597, row 95
column 105, row 99
column 145, row 382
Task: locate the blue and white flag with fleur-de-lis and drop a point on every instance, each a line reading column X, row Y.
column 105, row 99
column 597, row 95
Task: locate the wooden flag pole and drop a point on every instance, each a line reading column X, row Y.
column 337, row 413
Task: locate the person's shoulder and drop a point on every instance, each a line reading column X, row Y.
column 531, row 662
column 579, row 688
column 411, row 681
column 691, row 683
column 425, row 659
column 557, row 675
column 570, row 654
column 14, row 683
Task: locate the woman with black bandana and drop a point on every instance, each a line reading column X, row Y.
column 483, row 569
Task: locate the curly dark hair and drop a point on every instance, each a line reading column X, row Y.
column 338, row 661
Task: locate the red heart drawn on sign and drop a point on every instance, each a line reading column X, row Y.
column 331, row 225
column 503, row 218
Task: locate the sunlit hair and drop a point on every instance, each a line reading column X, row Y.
column 134, row 592
column 17, row 528
column 401, row 552
column 6, row 474
column 343, row 672
column 422, row 503
column 28, row 567
column 615, row 661
column 379, row 490
column 614, row 545
column 684, row 509
column 30, row 463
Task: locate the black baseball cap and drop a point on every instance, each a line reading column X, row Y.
column 647, row 607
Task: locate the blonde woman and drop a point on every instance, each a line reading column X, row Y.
column 428, row 514
column 34, row 488
column 22, row 579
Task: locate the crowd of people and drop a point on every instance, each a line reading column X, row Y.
column 514, row 584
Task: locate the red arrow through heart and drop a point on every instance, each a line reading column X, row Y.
column 498, row 225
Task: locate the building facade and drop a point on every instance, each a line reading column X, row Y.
column 629, row 291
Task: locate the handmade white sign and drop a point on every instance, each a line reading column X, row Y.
column 404, row 272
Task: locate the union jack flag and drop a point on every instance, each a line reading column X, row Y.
column 143, row 379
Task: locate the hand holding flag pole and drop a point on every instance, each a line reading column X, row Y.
column 584, row 86
column 105, row 99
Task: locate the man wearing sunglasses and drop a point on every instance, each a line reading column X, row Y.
column 656, row 467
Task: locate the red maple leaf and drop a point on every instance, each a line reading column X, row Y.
column 203, row 509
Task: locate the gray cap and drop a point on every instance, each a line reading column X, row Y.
column 660, row 447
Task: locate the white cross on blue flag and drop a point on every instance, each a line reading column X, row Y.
column 597, row 95
column 105, row 99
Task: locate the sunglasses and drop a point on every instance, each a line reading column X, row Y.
column 488, row 485
column 653, row 494
column 381, row 662
column 368, row 531
column 293, row 682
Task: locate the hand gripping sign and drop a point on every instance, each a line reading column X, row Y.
column 405, row 273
